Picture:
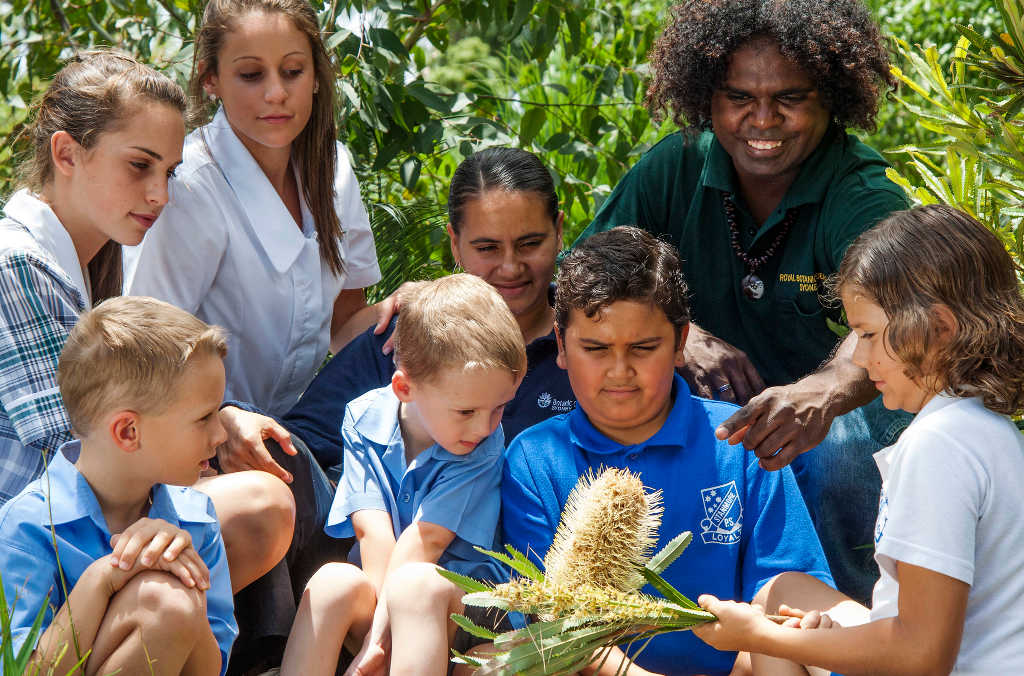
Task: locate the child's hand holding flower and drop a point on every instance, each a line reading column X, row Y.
column 740, row 626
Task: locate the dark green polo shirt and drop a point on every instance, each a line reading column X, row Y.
column 675, row 192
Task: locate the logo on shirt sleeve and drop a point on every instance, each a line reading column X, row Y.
column 724, row 513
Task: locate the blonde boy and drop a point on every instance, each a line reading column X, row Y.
column 140, row 555
column 420, row 488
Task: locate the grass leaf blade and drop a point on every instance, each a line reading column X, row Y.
column 668, row 591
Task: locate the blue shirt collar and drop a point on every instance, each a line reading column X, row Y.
column 77, row 501
column 379, row 424
column 673, row 432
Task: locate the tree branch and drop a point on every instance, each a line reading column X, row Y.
column 176, row 15
column 543, row 104
column 58, row 12
column 421, row 25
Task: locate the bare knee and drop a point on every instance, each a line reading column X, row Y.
column 419, row 586
column 257, row 513
column 797, row 590
column 269, row 509
column 163, row 606
column 337, row 586
column 774, row 591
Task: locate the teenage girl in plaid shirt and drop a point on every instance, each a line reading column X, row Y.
column 106, row 136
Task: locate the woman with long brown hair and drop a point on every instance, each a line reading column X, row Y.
column 265, row 233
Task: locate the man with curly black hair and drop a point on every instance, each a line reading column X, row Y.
column 762, row 191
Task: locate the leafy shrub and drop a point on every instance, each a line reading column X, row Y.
column 972, row 156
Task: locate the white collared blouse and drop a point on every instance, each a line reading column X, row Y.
column 227, row 249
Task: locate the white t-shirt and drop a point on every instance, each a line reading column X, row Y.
column 953, row 501
column 227, row 249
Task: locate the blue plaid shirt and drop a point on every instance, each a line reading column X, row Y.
column 42, row 293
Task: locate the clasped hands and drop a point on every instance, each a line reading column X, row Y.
column 155, row 544
column 741, row 625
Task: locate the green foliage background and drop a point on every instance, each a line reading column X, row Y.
column 423, row 83
column 925, row 23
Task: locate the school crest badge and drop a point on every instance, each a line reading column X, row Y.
column 724, row 514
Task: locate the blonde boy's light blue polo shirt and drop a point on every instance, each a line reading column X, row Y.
column 29, row 566
column 459, row 492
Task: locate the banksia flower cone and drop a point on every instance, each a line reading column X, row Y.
column 587, row 599
column 606, row 535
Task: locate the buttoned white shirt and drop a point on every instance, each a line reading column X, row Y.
column 227, row 249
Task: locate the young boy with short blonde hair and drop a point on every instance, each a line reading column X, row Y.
column 140, row 554
column 420, row 487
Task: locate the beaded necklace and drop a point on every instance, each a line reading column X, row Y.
column 752, row 286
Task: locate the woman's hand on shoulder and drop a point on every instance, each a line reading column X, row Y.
column 387, row 308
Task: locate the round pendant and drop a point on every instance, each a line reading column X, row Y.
column 752, row 286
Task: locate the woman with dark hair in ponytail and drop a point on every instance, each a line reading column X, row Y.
column 505, row 227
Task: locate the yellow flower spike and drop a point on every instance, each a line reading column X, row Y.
column 607, row 533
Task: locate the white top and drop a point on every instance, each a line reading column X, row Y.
column 226, row 249
column 48, row 239
column 953, row 501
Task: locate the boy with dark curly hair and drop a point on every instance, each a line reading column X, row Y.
column 762, row 192
column 621, row 318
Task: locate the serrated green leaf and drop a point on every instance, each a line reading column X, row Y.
column 461, row 658
column 473, row 629
column 978, row 40
column 507, row 560
column 526, row 567
column 569, row 645
column 466, row 584
column 485, row 599
column 670, row 552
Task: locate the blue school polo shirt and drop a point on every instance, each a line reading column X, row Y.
column 458, row 492
column 748, row 525
column 361, row 367
column 27, row 558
